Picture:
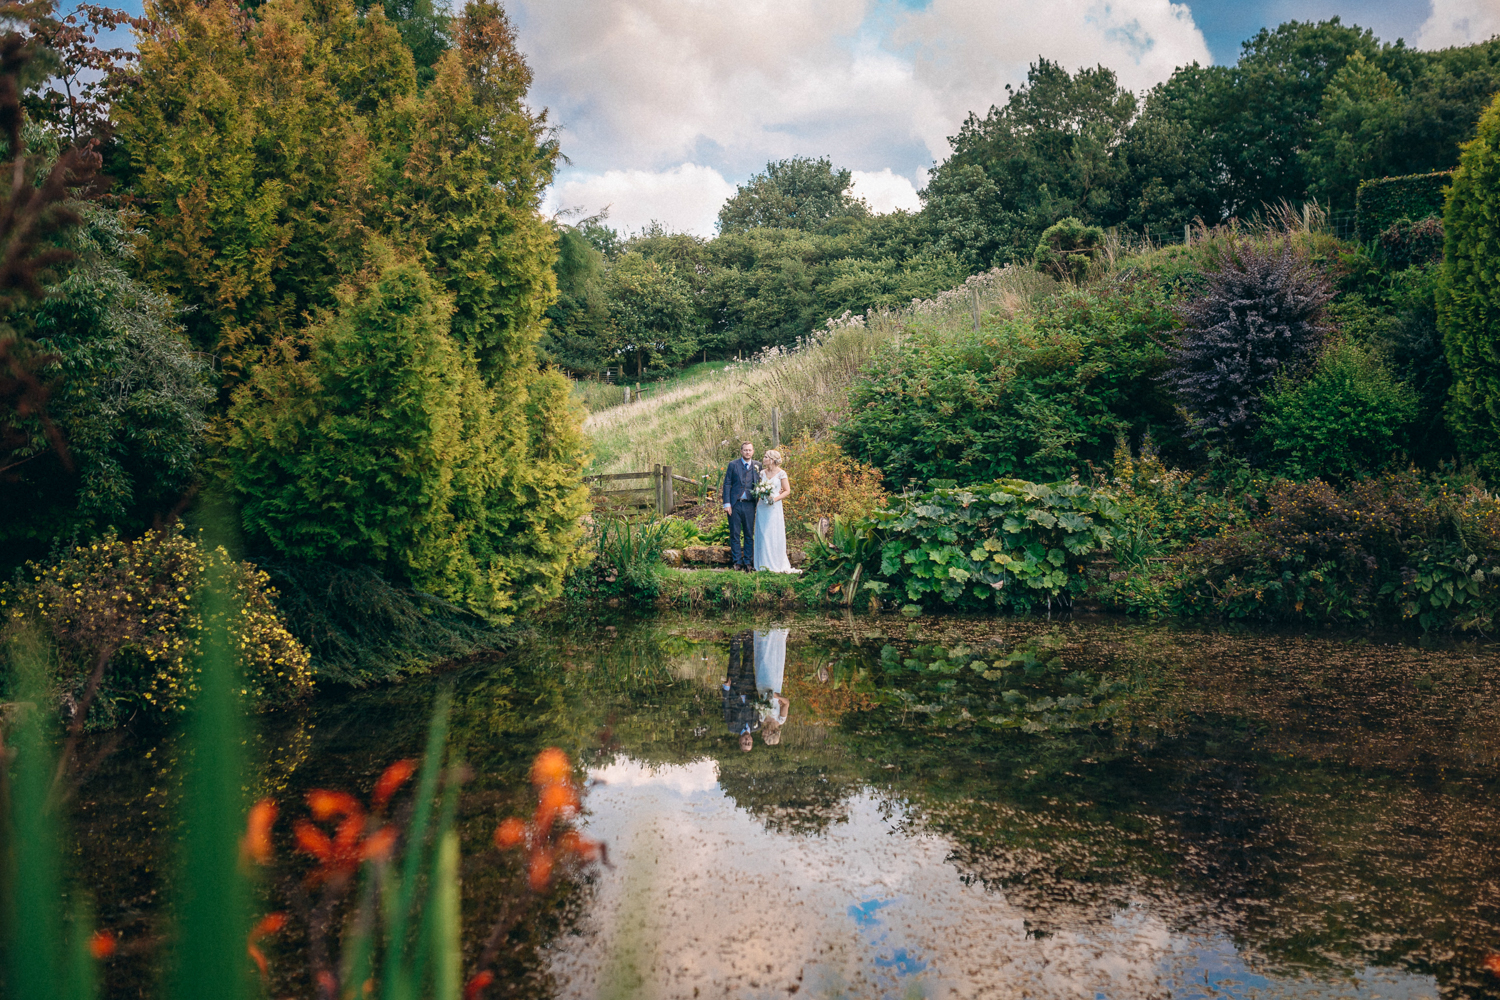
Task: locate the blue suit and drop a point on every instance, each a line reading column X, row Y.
column 738, row 482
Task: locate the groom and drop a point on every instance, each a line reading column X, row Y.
column 739, row 503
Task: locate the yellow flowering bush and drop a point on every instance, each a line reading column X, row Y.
column 132, row 605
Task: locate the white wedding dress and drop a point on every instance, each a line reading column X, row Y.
column 770, row 530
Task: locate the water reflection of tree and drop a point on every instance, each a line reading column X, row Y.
column 1228, row 819
column 1314, row 808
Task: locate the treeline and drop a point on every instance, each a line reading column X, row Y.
column 1308, row 111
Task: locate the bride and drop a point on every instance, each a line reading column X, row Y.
column 770, row 521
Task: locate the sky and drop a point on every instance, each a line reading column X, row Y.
column 664, row 106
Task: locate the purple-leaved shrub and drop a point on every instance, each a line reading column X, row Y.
column 1260, row 317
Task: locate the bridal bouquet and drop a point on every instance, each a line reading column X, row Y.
column 764, row 490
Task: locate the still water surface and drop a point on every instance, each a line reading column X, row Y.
column 934, row 808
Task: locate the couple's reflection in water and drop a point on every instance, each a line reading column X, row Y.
column 752, row 687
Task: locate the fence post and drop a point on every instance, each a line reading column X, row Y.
column 1187, row 234
column 668, row 488
column 775, row 427
column 656, row 487
column 1306, row 217
column 974, row 307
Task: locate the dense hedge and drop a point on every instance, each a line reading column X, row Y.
column 1468, row 297
column 1384, row 201
column 1036, row 398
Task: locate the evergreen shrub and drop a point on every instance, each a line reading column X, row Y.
column 1351, row 416
column 376, row 441
column 1468, row 297
column 1260, row 319
column 1068, row 248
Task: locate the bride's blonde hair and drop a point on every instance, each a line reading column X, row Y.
column 772, row 456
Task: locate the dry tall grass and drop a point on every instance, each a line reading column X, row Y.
column 697, row 427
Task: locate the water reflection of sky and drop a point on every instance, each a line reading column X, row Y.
column 705, row 901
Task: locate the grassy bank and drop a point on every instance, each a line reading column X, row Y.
column 696, row 426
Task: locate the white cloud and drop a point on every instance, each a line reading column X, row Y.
column 685, row 198
column 966, row 51
column 886, row 191
column 651, row 95
column 1459, row 22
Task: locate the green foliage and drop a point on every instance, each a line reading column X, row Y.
column 1007, row 545
column 578, row 334
column 126, row 393
column 1308, row 111
column 797, row 193
column 1468, row 298
column 1360, row 107
column 626, row 560
column 250, row 155
column 679, row 532
column 1386, row 201
column 1068, row 249
column 651, row 313
column 1047, row 154
column 1406, row 244
column 1025, row 687
column 1388, row 549
column 126, row 632
column 359, row 628
column 1350, row 416
column 385, row 446
column 1259, row 318
column 1035, row 397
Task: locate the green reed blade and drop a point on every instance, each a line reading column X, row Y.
column 212, row 915
column 82, row 978
column 447, row 979
column 397, row 984
column 34, row 915
column 359, row 946
column 430, row 935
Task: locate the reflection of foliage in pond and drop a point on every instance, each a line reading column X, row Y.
column 1027, row 687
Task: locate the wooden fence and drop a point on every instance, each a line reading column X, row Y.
column 659, row 492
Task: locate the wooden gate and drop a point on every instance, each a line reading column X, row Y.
column 656, row 489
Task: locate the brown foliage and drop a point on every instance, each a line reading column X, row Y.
column 828, row 483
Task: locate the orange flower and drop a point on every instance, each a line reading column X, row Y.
column 326, row 805
column 478, row 984
column 551, row 767
column 257, row 843
column 1492, row 962
column 393, row 778
column 541, row 870
column 342, row 853
column 271, row 923
column 554, row 802
column 510, row 834
column 101, row 945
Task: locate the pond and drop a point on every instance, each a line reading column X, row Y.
column 947, row 807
